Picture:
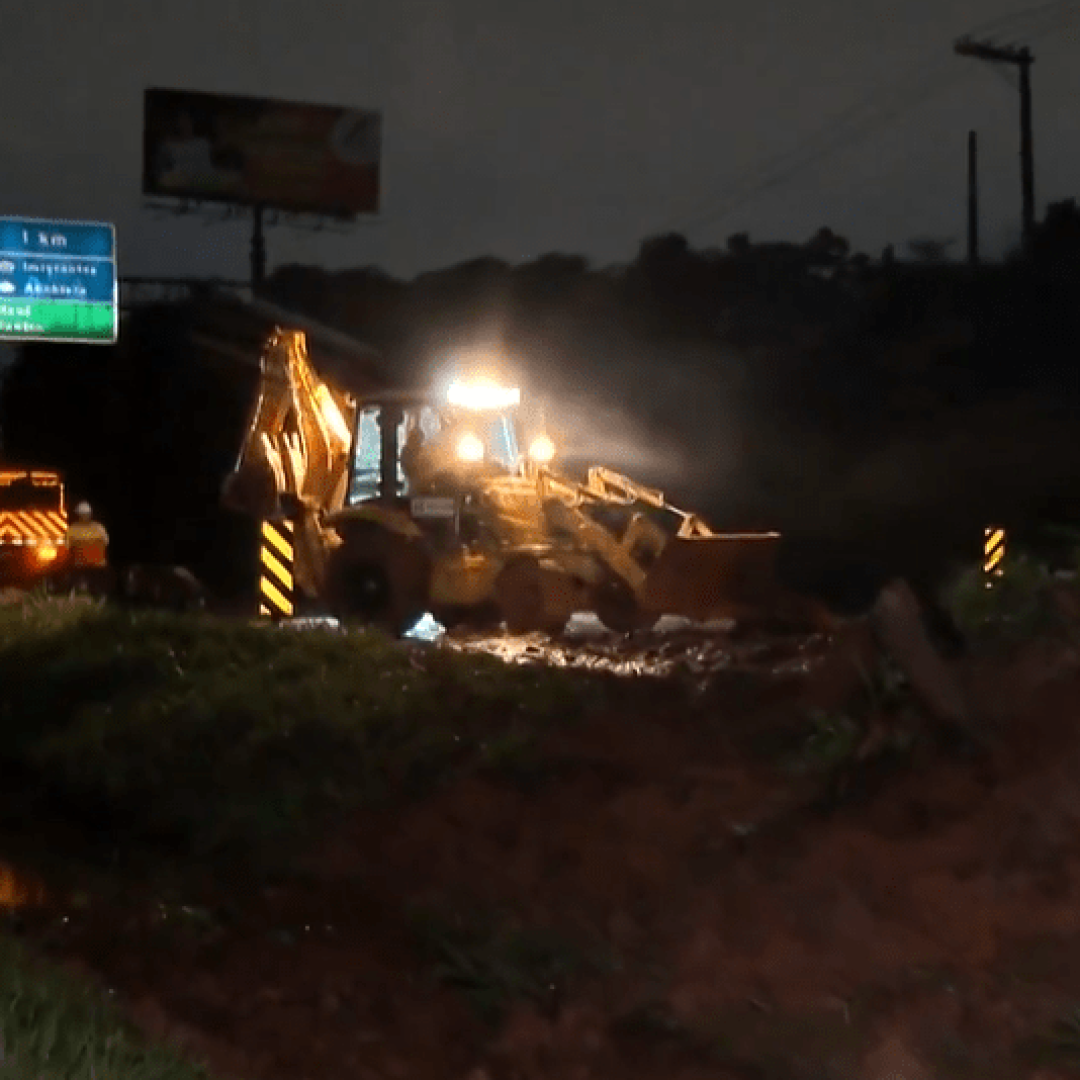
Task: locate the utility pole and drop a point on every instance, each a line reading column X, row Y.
column 1023, row 59
column 973, row 200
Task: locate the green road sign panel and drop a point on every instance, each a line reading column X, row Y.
column 57, row 281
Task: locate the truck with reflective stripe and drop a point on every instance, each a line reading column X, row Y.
column 33, row 525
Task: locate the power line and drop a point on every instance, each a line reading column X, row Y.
column 844, row 130
column 1002, row 22
column 862, row 117
column 835, row 142
column 837, row 139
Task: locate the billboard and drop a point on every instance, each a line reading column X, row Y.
column 57, row 281
column 317, row 159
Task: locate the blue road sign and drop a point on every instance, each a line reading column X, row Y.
column 58, row 281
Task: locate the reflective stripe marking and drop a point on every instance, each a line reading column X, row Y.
column 279, row 536
column 281, row 604
column 276, row 578
column 271, row 562
column 993, row 551
column 32, row 526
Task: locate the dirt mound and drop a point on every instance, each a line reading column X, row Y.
column 657, row 895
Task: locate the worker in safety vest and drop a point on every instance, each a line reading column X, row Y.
column 87, row 545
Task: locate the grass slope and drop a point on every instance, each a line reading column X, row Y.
column 55, row 1028
column 219, row 737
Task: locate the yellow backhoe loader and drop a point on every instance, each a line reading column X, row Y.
column 410, row 501
column 406, row 502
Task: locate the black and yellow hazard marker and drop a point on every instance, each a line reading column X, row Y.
column 993, row 553
column 276, row 592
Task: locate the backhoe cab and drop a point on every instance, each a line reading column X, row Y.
column 444, row 514
column 413, row 502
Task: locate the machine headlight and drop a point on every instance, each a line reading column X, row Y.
column 541, row 450
column 482, row 394
column 45, row 553
column 470, row 448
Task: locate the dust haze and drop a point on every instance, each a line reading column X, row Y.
column 668, row 414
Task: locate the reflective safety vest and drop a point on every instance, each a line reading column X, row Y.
column 86, row 542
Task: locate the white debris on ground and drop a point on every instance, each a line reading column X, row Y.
column 584, row 622
column 427, row 629
column 319, row 622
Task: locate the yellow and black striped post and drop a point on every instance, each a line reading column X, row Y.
column 276, row 593
column 993, row 552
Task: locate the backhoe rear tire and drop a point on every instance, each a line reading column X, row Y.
column 378, row 577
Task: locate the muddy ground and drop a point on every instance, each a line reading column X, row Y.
column 674, row 890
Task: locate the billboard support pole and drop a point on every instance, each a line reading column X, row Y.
column 258, row 250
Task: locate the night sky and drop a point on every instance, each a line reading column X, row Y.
column 516, row 128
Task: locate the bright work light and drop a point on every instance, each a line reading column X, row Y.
column 483, row 394
column 542, row 450
column 470, row 448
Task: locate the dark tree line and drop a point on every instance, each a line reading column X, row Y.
column 738, row 357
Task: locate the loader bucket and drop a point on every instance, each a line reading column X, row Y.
column 731, row 575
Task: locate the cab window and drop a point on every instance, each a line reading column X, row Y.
column 368, row 450
column 365, row 477
column 501, row 442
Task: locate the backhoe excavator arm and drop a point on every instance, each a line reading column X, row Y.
column 294, row 461
column 297, row 446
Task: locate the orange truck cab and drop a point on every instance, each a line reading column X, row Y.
column 33, row 525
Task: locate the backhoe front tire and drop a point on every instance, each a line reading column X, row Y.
column 617, row 608
column 378, row 577
column 519, row 593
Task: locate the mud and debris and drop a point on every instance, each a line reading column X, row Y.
column 664, row 896
column 693, row 651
